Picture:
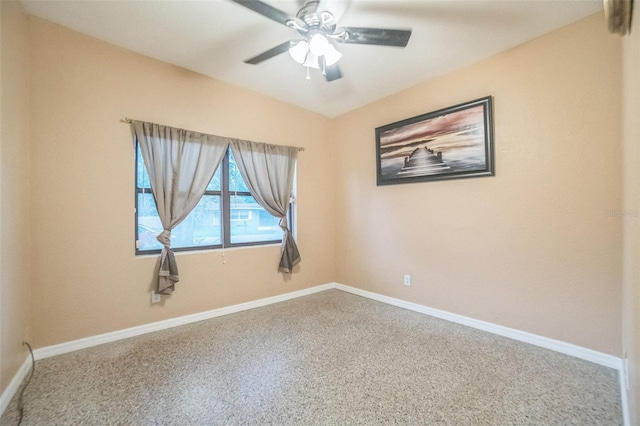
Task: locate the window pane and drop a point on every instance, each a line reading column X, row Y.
column 236, row 184
column 201, row 228
column 251, row 223
column 142, row 179
column 149, row 225
column 215, row 184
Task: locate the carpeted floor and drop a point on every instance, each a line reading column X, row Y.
column 330, row 358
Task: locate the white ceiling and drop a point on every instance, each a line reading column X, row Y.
column 214, row 37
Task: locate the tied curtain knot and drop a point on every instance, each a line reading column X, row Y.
column 165, row 238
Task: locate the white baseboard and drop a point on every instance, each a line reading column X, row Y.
column 14, row 385
column 545, row 342
column 554, row 345
column 74, row 345
column 522, row 336
column 624, row 396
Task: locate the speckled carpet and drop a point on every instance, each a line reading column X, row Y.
column 330, row 358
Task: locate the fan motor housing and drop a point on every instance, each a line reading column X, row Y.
column 323, row 20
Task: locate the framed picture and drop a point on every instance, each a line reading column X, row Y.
column 451, row 143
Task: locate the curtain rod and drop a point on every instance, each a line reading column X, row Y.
column 129, row 121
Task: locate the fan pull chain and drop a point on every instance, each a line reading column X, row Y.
column 308, row 76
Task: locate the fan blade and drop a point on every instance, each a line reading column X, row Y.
column 265, row 10
column 332, row 73
column 377, row 36
column 281, row 48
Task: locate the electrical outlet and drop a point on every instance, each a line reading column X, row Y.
column 407, row 280
column 155, row 297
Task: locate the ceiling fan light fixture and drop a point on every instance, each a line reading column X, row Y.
column 299, row 51
column 312, row 61
column 318, row 44
column 331, row 55
column 319, row 30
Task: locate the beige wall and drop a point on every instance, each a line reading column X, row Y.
column 86, row 279
column 631, row 140
column 14, row 191
column 531, row 248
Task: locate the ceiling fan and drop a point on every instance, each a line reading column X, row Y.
column 318, row 29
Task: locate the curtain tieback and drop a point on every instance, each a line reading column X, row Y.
column 165, row 237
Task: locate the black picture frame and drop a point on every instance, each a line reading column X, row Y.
column 450, row 143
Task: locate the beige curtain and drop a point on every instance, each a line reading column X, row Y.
column 180, row 164
column 268, row 172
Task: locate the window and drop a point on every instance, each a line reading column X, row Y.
column 226, row 216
